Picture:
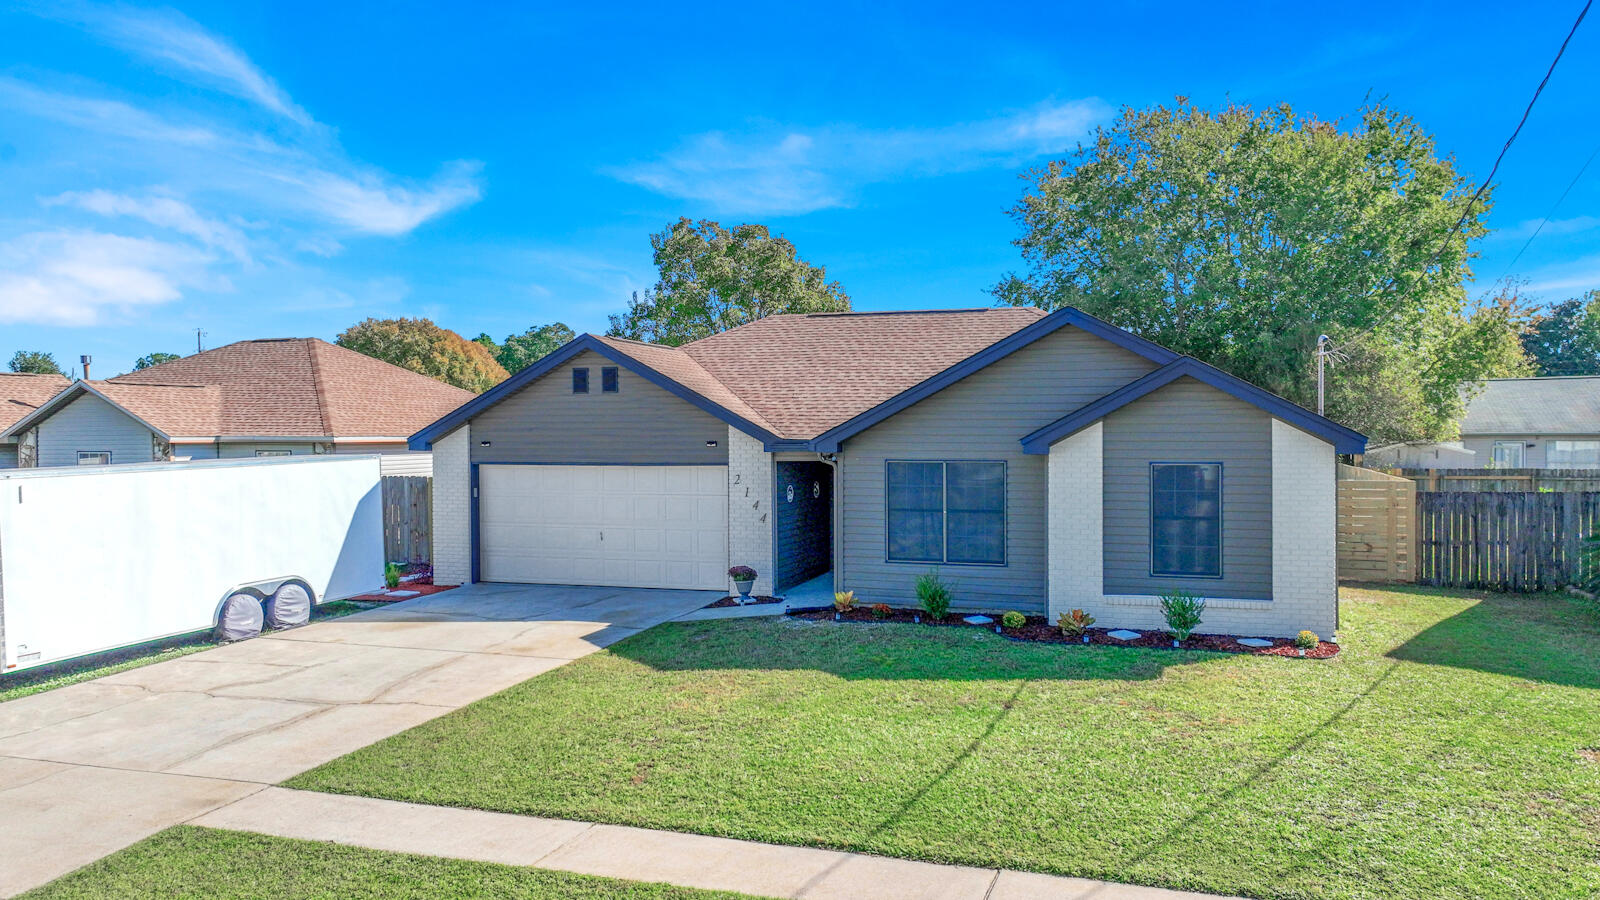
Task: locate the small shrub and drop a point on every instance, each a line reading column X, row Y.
column 1589, row 564
column 1075, row 623
column 742, row 573
column 933, row 594
column 1182, row 611
column 844, row 601
column 391, row 575
column 1306, row 640
column 1013, row 619
column 880, row 610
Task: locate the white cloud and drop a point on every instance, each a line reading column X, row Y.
column 778, row 172
column 1527, row 228
column 74, row 277
column 110, row 117
column 171, row 38
column 369, row 205
column 164, row 212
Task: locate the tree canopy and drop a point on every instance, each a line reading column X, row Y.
column 35, row 362
column 153, row 359
column 715, row 278
column 1238, row 236
column 1566, row 340
column 518, row 351
column 427, row 349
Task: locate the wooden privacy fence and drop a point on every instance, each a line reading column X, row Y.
column 408, row 518
column 1503, row 540
column 1377, row 526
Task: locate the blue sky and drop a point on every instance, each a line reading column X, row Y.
column 285, row 169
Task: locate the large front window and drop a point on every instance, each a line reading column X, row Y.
column 1186, row 519
column 1572, row 455
column 946, row 512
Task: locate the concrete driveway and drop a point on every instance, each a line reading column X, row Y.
column 90, row 768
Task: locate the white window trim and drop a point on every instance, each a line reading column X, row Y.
column 93, row 453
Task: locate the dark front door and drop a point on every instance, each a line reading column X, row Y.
column 803, row 523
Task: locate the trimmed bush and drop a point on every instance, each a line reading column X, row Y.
column 1182, row 610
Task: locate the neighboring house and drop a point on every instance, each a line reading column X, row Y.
column 1421, row 455
column 1039, row 462
column 20, row 395
column 1535, row 423
column 280, row 397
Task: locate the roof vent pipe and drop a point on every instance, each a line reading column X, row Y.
column 86, row 359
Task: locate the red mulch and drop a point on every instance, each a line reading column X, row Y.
column 1040, row 631
column 422, row 588
column 755, row 599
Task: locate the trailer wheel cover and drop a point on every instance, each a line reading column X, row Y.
column 241, row 617
column 289, row 606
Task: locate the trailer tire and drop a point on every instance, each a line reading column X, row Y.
column 289, row 606
column 241, row 616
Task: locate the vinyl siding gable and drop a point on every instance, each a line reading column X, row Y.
column 639, row 424
column 1188, row 421
column 981, row 417
column 90, row 423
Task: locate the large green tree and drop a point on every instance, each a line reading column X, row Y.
column 427, row 349
column 715, row 278
column 1239, row 235
column 35, row 362
column 518, row 351
column 1566, row 339
column 153, row 359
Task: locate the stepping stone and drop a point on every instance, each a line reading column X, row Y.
column 1123, row 634
column 1255, row 642
column 403, row 594
column 978, row 620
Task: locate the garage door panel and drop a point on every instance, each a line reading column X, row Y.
column 633, row 526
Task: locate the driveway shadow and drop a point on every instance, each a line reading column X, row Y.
column 1552, row 638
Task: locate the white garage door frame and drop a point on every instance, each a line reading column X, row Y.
column 656, row 526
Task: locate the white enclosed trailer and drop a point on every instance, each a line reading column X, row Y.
column 101, row 557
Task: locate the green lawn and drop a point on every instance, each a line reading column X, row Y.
column 204, row 863
column 87, row 668
column 1441, row 754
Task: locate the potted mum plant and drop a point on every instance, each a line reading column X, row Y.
column 744, row 578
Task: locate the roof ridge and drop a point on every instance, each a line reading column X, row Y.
column 317, row 384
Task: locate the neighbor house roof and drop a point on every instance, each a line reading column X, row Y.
column 21, row 394
column 811, row 381
column 1568, row 405
column 290, row 387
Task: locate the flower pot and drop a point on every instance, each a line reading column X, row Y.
column 743, row 587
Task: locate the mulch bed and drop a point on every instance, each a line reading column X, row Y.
column 422, row 588
column 755, row 599
column 1041, row 631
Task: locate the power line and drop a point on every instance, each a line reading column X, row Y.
column 1478, row 194
column 1546, row 220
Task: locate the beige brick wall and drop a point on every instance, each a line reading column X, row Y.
column 749, row 507
column 452, row 508
column 1076, row 522
column 1304, row 587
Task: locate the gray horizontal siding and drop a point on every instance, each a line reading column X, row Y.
column 983, row 416
column 247, row 449
column 641, row 424
column 89, row 423
column 8, row 456
column 1190, row 422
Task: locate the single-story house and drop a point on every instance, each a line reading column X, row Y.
column 1038, row 462
column 1535, row 423
column 21, row 394
column 278, row 397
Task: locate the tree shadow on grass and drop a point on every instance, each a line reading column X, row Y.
column 893, row 651
column 1552, row 638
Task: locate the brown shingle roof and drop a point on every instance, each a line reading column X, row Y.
column 291, row 387
column 21, row 394
column 804, row 374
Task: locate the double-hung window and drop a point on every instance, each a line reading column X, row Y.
column 946, row 512
column 1186, row 519
column 1572, row 455
column 1506, row 455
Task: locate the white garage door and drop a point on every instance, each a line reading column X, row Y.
column 631, row 526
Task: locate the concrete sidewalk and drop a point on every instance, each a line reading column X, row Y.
column 638, row 854
column 90, row 768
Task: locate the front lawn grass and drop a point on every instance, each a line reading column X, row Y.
column 1441, row 754
column 227, row 865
